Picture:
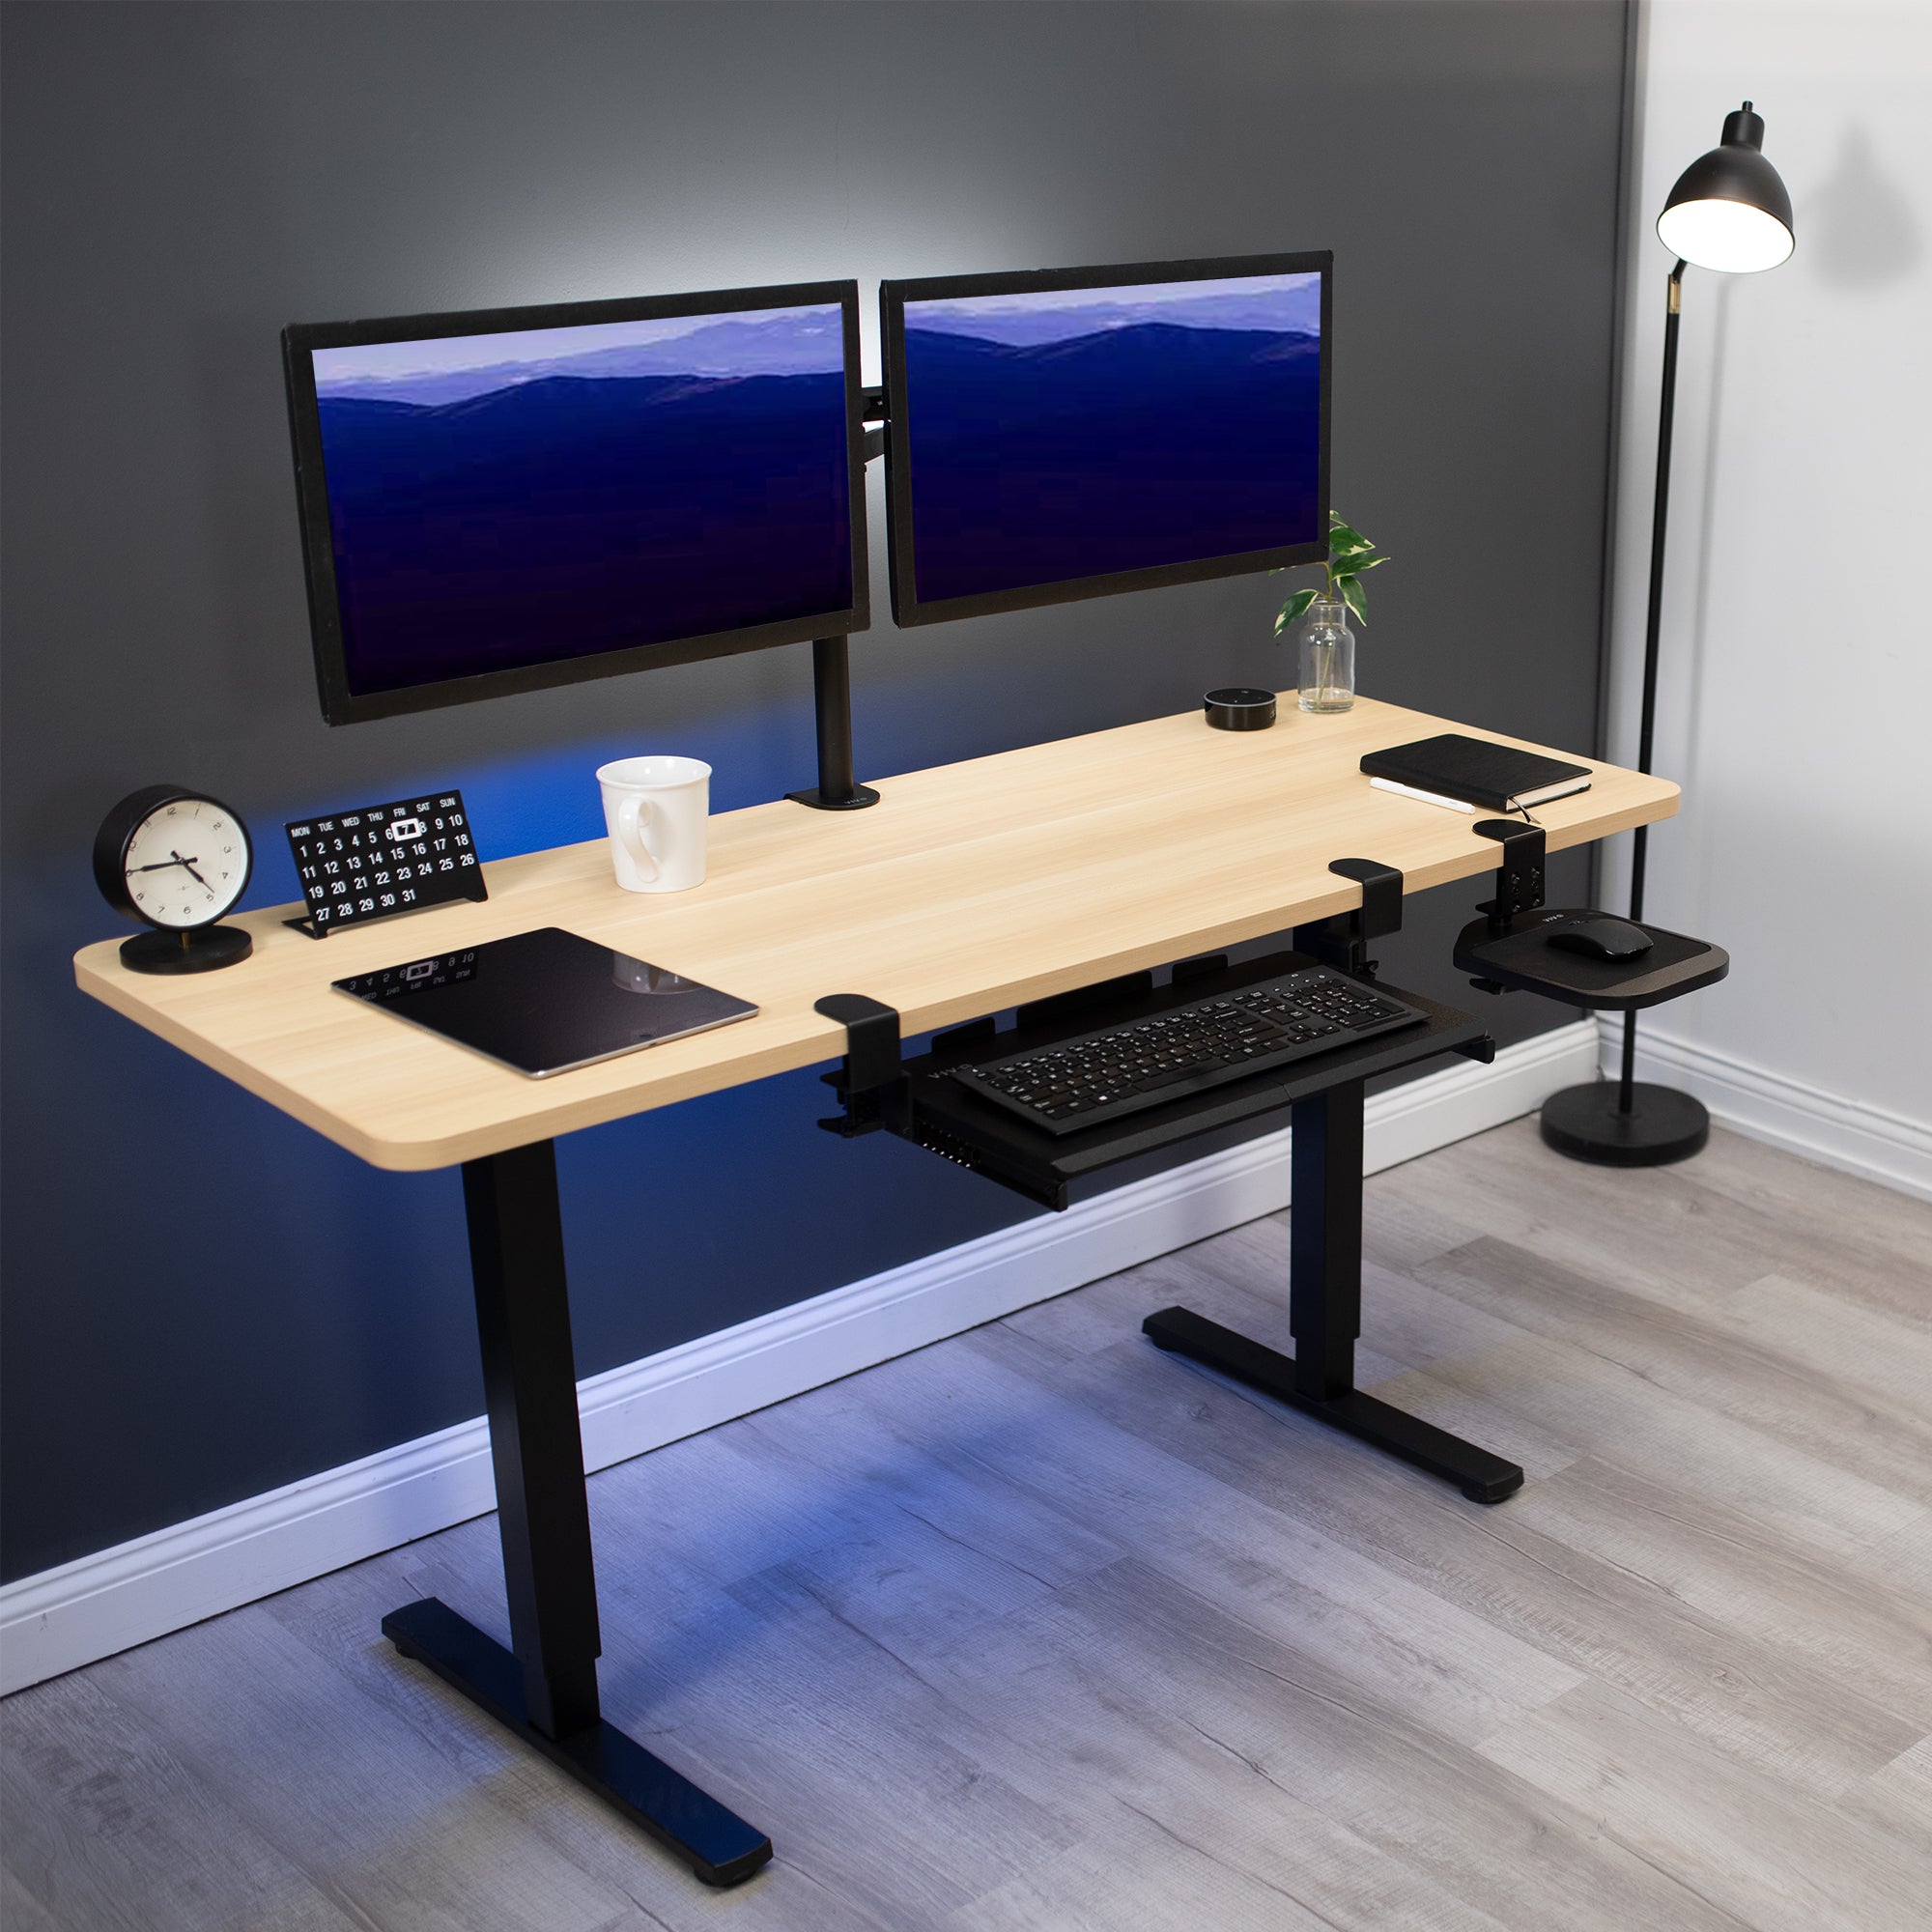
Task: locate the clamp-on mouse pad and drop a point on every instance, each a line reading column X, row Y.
column 545, row 1002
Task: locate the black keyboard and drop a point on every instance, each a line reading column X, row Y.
column 1097, row 1077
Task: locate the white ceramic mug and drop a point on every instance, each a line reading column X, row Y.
column 655, row 809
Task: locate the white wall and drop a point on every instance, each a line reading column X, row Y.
column 1795, row 696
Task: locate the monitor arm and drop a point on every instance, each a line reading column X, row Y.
column 836, row 789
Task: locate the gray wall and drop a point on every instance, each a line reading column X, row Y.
column 203, row 1301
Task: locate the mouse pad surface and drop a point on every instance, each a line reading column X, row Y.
column 548, row 1001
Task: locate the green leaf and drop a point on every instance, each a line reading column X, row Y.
column 1294, row 609
column 1356, row 565
column 1351, row 594
column 1342, row 537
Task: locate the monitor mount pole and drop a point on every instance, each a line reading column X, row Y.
column 832, row 699
column 836, row 789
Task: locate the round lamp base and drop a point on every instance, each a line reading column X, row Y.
column 1662, row 1124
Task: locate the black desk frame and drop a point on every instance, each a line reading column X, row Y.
column 1324, row 1312
column 544, row 1688
column 1325, row 1249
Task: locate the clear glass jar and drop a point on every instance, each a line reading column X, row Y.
column 1327, row 657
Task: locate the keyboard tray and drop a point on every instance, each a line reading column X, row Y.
column 949, row 1119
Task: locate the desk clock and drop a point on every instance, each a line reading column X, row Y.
column 176, row 860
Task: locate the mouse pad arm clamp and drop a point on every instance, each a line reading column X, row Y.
column 1509, row 950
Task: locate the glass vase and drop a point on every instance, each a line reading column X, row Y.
column 1327, row 657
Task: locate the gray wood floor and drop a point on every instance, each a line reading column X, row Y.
column 1040, row 1628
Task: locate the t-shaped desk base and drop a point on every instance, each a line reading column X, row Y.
column 544, row 1690
column 1324, row 1304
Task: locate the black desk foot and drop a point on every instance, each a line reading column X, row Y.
column 1482, row 1477
column 717, row 1844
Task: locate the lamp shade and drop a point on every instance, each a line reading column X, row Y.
column 1729, row 211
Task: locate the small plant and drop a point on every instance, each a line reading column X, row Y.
column 1349, row 554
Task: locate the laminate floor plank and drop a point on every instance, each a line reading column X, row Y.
column 1870, row 1640
column 1899, row 1799
column 1761, row 1851
column 1403, row 1322
column 1180, row 1858
column 1873, row 1357
column 1364, row 1624
column 1097, row 1316
column 411, row 1840
column 1773, row 1385
column 1658, row 1230
column 1042, row 1629
column 337, row 1617
column 1417, row 1803
column 1609, row 1411
column 1838, row 1215
column 19, row 1910
column 1576, row 1606
column 107, row 1828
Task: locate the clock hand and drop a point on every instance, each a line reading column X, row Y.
column 192, row 874
column 161, row 866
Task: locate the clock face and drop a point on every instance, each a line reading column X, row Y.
column 186, row 863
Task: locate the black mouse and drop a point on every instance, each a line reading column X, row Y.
column 1598, row 936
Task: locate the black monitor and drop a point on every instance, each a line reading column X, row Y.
column 507, row 498
column 1075, row 432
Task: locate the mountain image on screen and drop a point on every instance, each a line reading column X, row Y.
column 1055, row 437
column 499, row 502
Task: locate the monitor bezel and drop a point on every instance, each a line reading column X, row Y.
column 908, row 608
column 340, row 704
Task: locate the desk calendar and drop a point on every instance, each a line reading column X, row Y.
column 383, row 859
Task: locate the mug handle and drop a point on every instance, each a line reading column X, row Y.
column 631, row 811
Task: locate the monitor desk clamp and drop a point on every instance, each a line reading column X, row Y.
column 1323, row 1098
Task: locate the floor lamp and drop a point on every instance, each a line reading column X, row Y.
column 1728, row 211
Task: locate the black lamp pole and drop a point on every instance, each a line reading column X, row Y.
column 1647, row 729
column 1728, row 211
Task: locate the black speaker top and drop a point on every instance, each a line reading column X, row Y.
column 1239, row 707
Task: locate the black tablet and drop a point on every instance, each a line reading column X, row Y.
column 545, row 1002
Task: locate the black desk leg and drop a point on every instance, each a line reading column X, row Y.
column 1324, row 1300
column 545, row 1688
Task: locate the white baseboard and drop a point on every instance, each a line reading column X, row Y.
column 1861, row 1140
column 97, row 1604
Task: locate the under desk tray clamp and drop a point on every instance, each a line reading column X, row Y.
column 871, row 1079
column 1342, row 941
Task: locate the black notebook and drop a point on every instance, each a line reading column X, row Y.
column 1499, row 778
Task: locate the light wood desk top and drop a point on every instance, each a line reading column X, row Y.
column 966, row 889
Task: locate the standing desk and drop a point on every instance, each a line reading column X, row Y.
column 971, row 888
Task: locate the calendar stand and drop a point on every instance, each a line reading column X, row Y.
column 472, row 888
column 379, row 860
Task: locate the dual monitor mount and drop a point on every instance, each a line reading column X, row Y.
column 836, row 789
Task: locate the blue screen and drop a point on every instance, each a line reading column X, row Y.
column 1054, row 436
column 527, row 496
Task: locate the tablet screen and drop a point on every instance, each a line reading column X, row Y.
column 545, row 1002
